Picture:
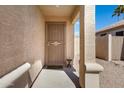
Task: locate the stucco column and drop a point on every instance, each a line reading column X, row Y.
column 90, row 76
column 109, row 47
column 82, row 49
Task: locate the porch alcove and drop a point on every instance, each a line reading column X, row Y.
column 23, row 40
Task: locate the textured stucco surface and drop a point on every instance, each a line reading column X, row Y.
column 69, row 40
column 89, row 33
column 117, row 48
column 11, row 38
column 76, row 53
column 87, row 38
column 21, row 38
column 113, row 74
column 34, row 40
column 102, row 47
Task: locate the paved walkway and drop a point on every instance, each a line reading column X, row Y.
column 57, row 78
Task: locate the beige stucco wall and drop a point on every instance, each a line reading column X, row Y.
column 102, row 47
column 89, row 32
column 76, row 45
column 81, row 64
column 117, row 48
column 69, row 40
column 76, row 53
column 22, row 35
column 34, row 40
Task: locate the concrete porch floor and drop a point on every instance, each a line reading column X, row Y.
column 57, row 78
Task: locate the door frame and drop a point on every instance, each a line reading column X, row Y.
column 46, row 47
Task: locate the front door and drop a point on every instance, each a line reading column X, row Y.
column 55, row 44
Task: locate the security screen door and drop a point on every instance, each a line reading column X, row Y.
column 55, row 35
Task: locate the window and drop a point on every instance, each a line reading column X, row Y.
column 103, row 34
column 120, row 33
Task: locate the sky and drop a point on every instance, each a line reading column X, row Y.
column 77, row 28
column 103, row 18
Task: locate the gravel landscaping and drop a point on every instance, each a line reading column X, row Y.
column 113, row 74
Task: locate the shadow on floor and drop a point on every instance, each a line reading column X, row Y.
column 72, row 76
column 53, row 67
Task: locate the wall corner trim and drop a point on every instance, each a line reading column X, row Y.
column 93, row 68
column 109, row 47
column 9, row 78
column 92, row 75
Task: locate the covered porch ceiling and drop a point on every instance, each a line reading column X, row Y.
column 61, row 11
column 55, row 10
